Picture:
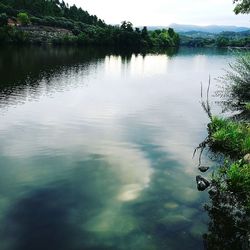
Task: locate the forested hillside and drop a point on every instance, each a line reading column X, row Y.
column 27, row 21
column 53, row 8
column 223, row 39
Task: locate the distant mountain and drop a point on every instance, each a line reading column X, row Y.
column 215, row 29
column 208, row 29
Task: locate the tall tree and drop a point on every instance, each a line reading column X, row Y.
column 242, row 6
column 127, row 26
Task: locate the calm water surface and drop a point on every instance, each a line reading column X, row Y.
column 96, row 148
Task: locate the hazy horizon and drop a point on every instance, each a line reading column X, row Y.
column 165, row 12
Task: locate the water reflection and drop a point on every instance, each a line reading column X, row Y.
column 54, row 216
column 229, row 223
column 100, row 149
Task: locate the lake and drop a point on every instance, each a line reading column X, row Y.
column 96, row 148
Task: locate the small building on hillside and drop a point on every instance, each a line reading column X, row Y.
column 13, row 22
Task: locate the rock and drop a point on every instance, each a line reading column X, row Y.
column 213, row 191
column 202, row 183
column 203, row 168
column 246, row 158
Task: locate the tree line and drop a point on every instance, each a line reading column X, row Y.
column 85, row 28
column 221, row 40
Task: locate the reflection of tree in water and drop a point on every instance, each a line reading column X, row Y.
column 30, row 69
column 229, row 223
column 26, row 70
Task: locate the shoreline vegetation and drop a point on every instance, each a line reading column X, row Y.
column 229, row 140
column 229, row 207
column 55, row 22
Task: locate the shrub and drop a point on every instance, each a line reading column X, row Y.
column 23, row 18
column 83, row 39
column 238, row 177
column 236, row 82
column 36, row 20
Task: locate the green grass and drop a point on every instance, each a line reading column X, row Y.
column 247, row 106
column 238, row 177
column 230, row 137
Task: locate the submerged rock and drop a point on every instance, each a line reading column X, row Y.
column 203, row 168
column 202, row 183
column 185, row 195
column 171, row 205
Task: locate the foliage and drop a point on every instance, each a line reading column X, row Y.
column 221, row 40
column 164, row 38
column 13, row 35
column 7, row 9
column 247, row 106
column 238, row 177
column 23, row 18
column 236, row 82
column 3, row 19
column 127, row 26
column 242, row 6
column 85, row 28
column 53, row 8
column 233, row 138
column 230, row 207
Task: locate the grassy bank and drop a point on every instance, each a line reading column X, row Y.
column 233, row 139
column 229, row 138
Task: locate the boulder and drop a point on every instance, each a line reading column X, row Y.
column 203, row 168
column 202, row 183
column 213, row 191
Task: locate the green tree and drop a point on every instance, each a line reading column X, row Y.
column 171, row 32
column 127, row 26
column 3, row 19
column 144, row 33
column 222, row 42
column 23, row 18
column 242, row 6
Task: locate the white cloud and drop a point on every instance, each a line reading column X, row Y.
column 164, row 12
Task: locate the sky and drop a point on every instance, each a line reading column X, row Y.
column 164, row 12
